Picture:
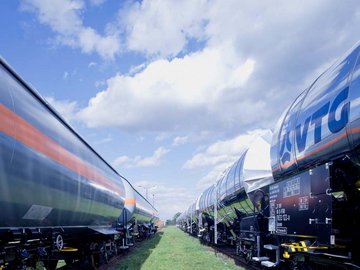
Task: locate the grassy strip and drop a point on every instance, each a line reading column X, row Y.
column 175, row 250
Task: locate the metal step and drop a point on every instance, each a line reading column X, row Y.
column 260, row 259
column 271, row 247
column 268, row 264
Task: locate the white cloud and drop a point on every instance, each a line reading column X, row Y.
column 64, row 17
column 66, row 75
column 180, row 140
column 121, row 160
column 162, row 27
column 255, row 58
column 184, row 93
column 222, row 154
column 99, row 84
column 225, row 151
column 168, row 200
column 140, row 161
column 267, row 29
column 67, row 109
column 137, row 69
column 92, row 64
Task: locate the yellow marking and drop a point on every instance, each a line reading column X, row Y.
column 357, row 184
column 303, row 244
column 318, row 247
column 286, row 255
column 300, row 247
column 69, row 249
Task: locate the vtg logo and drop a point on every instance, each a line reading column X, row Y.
column 326, row 112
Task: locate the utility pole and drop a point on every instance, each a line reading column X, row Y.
column 215, row 216
column 191, row 223
column 147, row 191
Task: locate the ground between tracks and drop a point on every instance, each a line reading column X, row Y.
column 172, row 249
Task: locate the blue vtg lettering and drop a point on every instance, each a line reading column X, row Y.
column 327, row 112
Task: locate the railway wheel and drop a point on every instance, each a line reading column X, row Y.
column 114, row 248
column 94, row 254
column 105, row 249
column 58, row 242
column 248, row 256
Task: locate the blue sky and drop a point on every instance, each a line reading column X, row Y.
column 168, row 92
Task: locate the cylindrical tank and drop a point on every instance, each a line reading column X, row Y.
column 323, row 123
column 49, row 175
column 231, row 191
column 250, row 172
column 192, row 213
column 207, row 201
column 144, row 211
column 181, row 220
column 130, row 203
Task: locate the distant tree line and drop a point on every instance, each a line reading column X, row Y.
column 173, row 220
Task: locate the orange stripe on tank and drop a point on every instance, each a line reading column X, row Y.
column 320, row 148
column 16, row 127
column 130, row 201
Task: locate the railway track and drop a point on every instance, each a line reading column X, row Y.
column 105, row 266
column 230, row 252
column 110, row 264
column 220, row 251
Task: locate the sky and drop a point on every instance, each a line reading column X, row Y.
column 169, row 92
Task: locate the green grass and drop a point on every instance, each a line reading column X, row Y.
column 172, row 249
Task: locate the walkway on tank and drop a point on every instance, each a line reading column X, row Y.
column 173, row 249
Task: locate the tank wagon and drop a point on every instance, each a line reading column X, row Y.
column 59, row 198
column 309, row 214
column 220, row 208
column 138, row 218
